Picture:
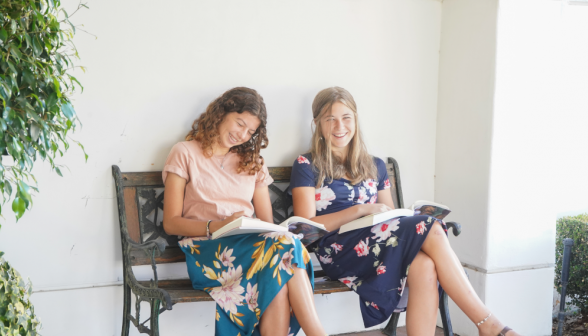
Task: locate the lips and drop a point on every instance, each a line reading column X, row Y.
column 232, row 139
column 339, row 135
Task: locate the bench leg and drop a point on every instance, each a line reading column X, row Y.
column 444, row 310
column 154, row 322
column 126, row 310
column 390, row 329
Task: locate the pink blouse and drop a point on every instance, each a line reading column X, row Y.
column 212, row 192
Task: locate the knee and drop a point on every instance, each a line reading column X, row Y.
column 424, row 267
column 424, row 262
column 437, row 230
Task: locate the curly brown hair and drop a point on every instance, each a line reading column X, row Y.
column 239, row 99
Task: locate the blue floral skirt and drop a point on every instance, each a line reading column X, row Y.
column 243, row 274
column 374, row 262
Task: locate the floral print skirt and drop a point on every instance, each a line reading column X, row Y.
column 243, row 274
column 374, row 262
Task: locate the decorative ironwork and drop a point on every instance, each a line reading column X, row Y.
column 150, row 202
column 281, row 202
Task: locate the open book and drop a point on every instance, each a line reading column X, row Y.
column 433, row 209
column 243, row 225
column 310, row 231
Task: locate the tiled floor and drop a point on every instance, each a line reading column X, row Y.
column 401, row 331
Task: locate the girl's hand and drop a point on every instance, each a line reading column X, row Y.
column 369, row 209
column 215, row 225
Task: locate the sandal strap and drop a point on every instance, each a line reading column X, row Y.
column 504, row 331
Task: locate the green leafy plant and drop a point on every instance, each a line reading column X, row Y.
column 576, row 228
column 17, row 315
column 37, row 55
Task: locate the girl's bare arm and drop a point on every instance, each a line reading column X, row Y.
column 173, row 206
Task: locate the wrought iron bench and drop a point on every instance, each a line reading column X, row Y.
column 144, row 242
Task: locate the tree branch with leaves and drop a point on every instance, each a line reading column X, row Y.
column 37, row 51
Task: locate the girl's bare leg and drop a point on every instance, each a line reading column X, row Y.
column 298, row 294
column 276, row 318
column 421, row 312
column 302, row 302
column 455, row 283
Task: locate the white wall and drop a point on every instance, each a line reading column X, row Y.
column 155, row 67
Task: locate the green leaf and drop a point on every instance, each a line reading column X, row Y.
column 3, row 35
column 28, row 76
column 19, row 207
column 83, row 150
column 37, row 46
column 51, row 100
column 11, row 66
column 58, row 171
column 56, row 85
column 8, row 188
column 15, row 52
column 5, row 90
column 68, row 111
column 23, row 191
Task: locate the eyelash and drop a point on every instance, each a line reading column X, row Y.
column 250, row 134
column 331, row 119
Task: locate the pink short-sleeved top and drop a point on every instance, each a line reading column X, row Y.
column 212, row 192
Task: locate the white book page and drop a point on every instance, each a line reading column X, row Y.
column 296, row 219
column 374, row 219
column 239, row 226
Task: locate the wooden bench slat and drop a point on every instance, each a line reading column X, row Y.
column 280, row 174
column 132, row 213
column 171, row 254
column 141, row 179
column 328, row 287
column 181, row 290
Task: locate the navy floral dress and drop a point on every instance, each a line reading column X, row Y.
column 373, row 261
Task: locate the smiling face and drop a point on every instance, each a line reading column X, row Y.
column 338, row 127
column 234, row 130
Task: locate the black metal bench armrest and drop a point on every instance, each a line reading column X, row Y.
column 152, row 249
column 456, row 228
column 151, row 293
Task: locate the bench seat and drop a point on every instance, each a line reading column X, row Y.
column 180, row 290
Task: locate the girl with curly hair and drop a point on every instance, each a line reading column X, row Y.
column 337, row 182
column 210, row 180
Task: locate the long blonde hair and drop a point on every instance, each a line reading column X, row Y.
column 358, row 165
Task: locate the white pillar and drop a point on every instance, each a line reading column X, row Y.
column 464, row 132
column 506, row 162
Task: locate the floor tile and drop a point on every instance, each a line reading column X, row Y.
column 401, row 331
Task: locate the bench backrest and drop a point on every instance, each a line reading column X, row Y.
column 140, row 202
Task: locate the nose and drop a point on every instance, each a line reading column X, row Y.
column 338, row 124
column 244, row 134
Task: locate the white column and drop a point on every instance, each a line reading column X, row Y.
column 464, row 132
column 510, row 146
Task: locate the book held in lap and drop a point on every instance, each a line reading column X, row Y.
column 309, row 231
